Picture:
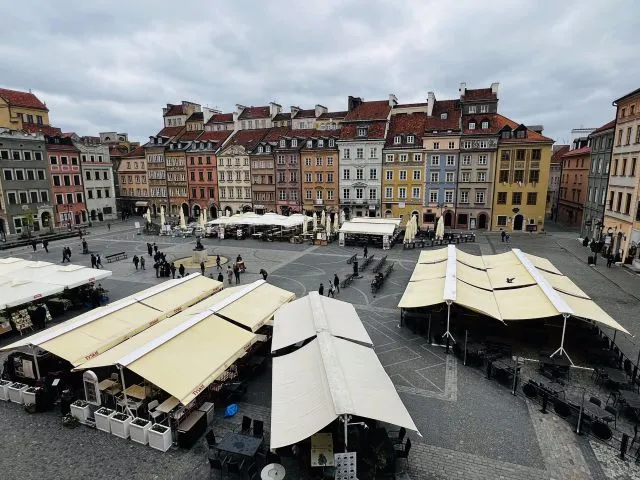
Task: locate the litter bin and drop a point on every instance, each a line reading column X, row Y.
column 590, row 260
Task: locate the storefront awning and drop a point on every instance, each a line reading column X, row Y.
column 366, row 228
column 141, row 204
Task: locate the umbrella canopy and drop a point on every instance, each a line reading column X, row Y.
column 315, row 221
column 162, row 217
column 336, row 225
column 323, row 219
column 202, row 219
column 183, row 224
column 414, row 226
column 305, row 225
column 327, row 224
column 204, row 213
column 341, row 217
column 407, row 234
column 440, row 228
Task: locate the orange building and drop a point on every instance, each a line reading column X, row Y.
column 320, row 172
column 573, row 186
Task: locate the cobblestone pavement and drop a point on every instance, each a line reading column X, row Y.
column 472, row 428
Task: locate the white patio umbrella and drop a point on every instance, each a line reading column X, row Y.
column 183, row 224
column 323, row 219
column 440, row 228
column 414, row 227
column 336, row 225
column 315, row 222
column 341, row 217
column 327, row 224
column 161, row 217
column 204, row 213
column 202, row 219
column 147, row 216
column 407, row 234
column 305, row 225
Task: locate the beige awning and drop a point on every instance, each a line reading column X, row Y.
column 543, row 264
column 362, row 228
column 477, row 300
column 433, row 256
column 509, row 276
column 184, row 293
column 302, row 319
column 423, row 293
column 475, row 261
column 500, row 260
column 326, row 378
column 524, row 303
column 564, row 284
column 428, row 271
column 590, row 310
column 472, row 276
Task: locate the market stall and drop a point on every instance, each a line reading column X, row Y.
column 358, row 232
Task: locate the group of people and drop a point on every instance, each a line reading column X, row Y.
column 334, row 287
column 66, row 254
column 96, row 261
column 45, row 245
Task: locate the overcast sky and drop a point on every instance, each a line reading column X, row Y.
column 112, row 65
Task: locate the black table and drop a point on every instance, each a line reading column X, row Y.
column 614, row 375
column 240, row 444
column 630, row 399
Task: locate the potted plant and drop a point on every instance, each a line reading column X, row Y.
column 102, row 417
column 4, row 389
column 120, row 424
column 29, row 396
column 138, row 429
column 81, row 410
column 160, row 437
column 15, row 391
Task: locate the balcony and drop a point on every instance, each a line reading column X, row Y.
column 319, row 201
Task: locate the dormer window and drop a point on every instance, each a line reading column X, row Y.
column 484, row 108
column 321, row 143
column 410, row 138
column 362, row 132
column 506, row 134
column 397, row 139
column 332, row 142
column 294, row 142
column 485, row 124
column 472, row 109
column 472, row 125
column 443, row 116
column 521, row 134
column 260, row 149
column 268, row 148
column 309, row 143
column 283, row 143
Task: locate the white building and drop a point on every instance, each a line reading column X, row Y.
column 97, row 178
column 362, row 139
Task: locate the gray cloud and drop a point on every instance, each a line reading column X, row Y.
column 112, row 65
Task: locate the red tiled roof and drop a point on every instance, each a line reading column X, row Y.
column 274, row 134
column 137, row 152
column 189, row 136
column 532, row 136
column 577, row 152
column 375, row 131
column 306, row 113
column 375, row 110
column 280, row 117
column 174, row 110
column 22, row 99
column 494, row 124
column 409, row 105
column 333, row 115
column 169, row 132
column 118, row 150
column 556, row 157
column 221, row 118
column 59, row 146
column 606, row 126
column 405, row 124
column 43, row 129
column 247, row 138
column 196, row 117
column 452, row 122
column 478, row 94
column 250, row 113
column 215, row 136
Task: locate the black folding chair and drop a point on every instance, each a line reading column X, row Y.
column 403, row 452
column 246, row 425
column 258, row 428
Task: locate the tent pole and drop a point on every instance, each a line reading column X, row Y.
column 35, row 361
column 346, row 425
column 447, row 334
column 124, row 389
column 561, row 350
column 466, row 337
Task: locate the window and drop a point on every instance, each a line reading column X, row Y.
column 373, row 174
column 485, row 125
column 443, row 116
column 633, row 167
column 466, row 160
column 329, row 177
column 482, row 177
column 502, row 198
column 433, row 196
column 389, row 174
column 41, row 174
column 346, row 153
column 329, row 194
column 628, row 136
column 346, row 193
column 307, row 177
column 451, row 160
column 449, row 177
column 619, row 203
column 416, row 174
column 480, row 196
column 403, row 157
column 627, row 205
column 318, row 161
column 501, row 220
column 624, row 167
column 464, row 196
column 307, row 194
column 417, row 157
column 329, row 161
column 13, row 199
column 373, row 194
column 472, row 125
column 452, row 145
column 435, row 160
column 332, row 142
column 532, row 198
column 388, row 192
column 76, row 180
column 320, row 143
column 482, row 159
column 309, row 144
column 403, row 175
column 359, row 193
column 359, row 152
column 359, row 173
column 466, row 144
column 448, row 196
column 362, row 132
column 506, row 154
column 56, row 181
column 516, row 198
column 637, row 136
column 8, row 174
column 472, row 109
column 389, row 158
column 397, row 139
column 435, row 177
column 534, row 175
column 402, row 193
column 319, row 177
column 465, row 177
column 346, row 174
column 283, row 144
column 436, row 145
column 53, row 160
column 518, row 175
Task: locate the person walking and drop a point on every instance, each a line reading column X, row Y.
column 264, row 274
column 332, row 290
column 236, row 272
column 34, row 244
column 173, row 270
column 609, row 260
column 229, row 274
column 503, row 234
column 149, row 249
column 157, row 267
column 181, row 270
column 69, row 254
column 366, row 251
column 93, row 261
column 99, row 261
column 218, row 266
column 321, row 289
column 136, row 260
column 109, row 226
column 45, row 245
column 202, row 267
column 155, row 247
column 142, row 261
column 220, row 277
column 336, row 282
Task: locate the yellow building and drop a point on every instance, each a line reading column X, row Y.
column 18, row 108
column 622, row 208
column 521, row 178
column 403, row 167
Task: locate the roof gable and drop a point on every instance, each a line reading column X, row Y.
column 251, row 113
column 16, row 98
column 374, row 110
column 403, row 126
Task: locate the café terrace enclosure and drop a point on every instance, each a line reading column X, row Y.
column 509, row 286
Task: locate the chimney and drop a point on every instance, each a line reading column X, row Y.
column 393, row 100
column 353, row 102
column 463, row 88
column 320, row 109
column 294, row 111
column 165, row 109
column 494, row 88
column 274, row 109
column 431, row 101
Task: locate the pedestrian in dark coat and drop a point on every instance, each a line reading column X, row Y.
column 181, row 270
column 218, row 266
column 45, row 245
column 366, row 251
column 236, row 272
column 502, row 235
column 264, row 274
column 336, row 282
column 157, row 267
column 149, row 249
column 136, row 260
column 155, row 247
column 142, row 261
column 33, row 244
column 321, row 289
column 202, row 267
column 173, row 270
column 220, row 277
column 93, row 261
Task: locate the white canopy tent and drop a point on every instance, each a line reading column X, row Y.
column 268, row 219
column 366, row 228
column 393, row 221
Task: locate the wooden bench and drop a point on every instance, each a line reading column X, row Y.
column 116, row 256
column 386, row 271
column 380, row 264
column 352, row 258
column 366, row 262
column 347, row 280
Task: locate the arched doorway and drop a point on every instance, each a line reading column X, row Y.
column 196, row 210
column 45, row 219
column 185, row 209
column 246, row 208
column 448, row 219
column 482, row 221
column 387, row 213
column 518, row 220
column 213, row 212
column 93, row 215
column 154, row 210
column 228, row 211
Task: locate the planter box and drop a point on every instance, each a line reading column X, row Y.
column 15, row 392
column 4, row 390
column 120, row 425
column 81, row 410
column 102, row 417
column 29, row 396
column 160, row 437
column 138, row 429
